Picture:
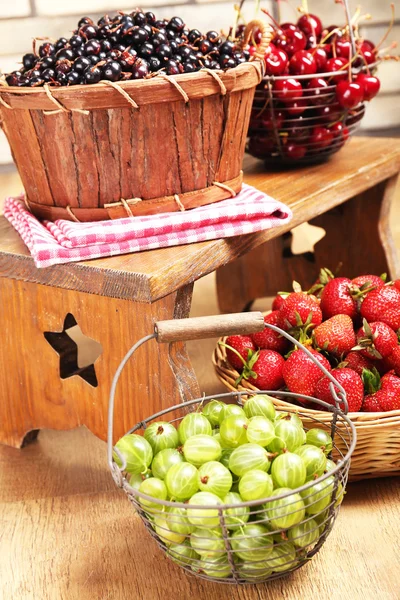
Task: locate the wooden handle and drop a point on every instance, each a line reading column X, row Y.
column 266, row 37
column 208, row 327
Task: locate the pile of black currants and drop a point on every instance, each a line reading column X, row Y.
column 125, row 47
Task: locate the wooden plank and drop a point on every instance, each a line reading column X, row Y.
column 151, row 275
column 68, row 533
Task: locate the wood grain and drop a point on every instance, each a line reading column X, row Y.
column 357, row 236
column 33, row 394
column 197, row 328
column 68, row 534
column 148, row 276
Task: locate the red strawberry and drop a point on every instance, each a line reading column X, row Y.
column 376, row 340
column 336, row 335
column 266, row 371
column 357, row 362
column 384, row 393
column 396, row 284
column 278, row 301
column 269, row 339
column 382, row 304
column 392, row 362
column 336, row 299
column 301, row 374
column 369, row 281
column 325, row 275
column 351, row 383
column 242, row 344
column 299, row 309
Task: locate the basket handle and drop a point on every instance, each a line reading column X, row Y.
column 182, row 330
column 266, row 37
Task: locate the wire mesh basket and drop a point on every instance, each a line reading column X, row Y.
column 235, row 541
column 304, row 123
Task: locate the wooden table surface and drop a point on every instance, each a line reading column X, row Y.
column 148, row 276
column 68, row 534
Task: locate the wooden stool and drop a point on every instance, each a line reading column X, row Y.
column 46, row 313
column 349, row 196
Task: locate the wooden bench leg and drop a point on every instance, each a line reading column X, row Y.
column 357, row 235
column 34, row 396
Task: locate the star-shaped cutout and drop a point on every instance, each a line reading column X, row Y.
column 78, row 353
column 305, row 237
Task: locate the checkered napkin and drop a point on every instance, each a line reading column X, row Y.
column 66, row 241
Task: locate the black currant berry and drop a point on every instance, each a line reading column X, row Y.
column 62, row 78
column 84, row 21
column 176, row 24
column 227, row 62
column 146, row 50
column 212, row 36
column 81, row 64
column 48, row 62
column 91, row 47
column 139, row 36
column 73, row 78
column 92, row 75
column 159, row 38
column 185, row 51
column 29, row 61
column 88, row 31
column 94, row 59
column 154, row 64
column 150, row 18
column 189, row 67
column 226, row 48
column 163, row 52
column 105, row 45
column 205, row 46
column 48, row 74
column 65, row 54
column 140, row 69
column 140, row 19
column 61, row 43
column 215, row 65
column 35, row 81
column 111, row 71
column 46, row 49
column 172, row 68
column 63, row 66
column 76, row 41
column 194, row 36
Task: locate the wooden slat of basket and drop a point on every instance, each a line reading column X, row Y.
column 146, row 91
column 377, row 453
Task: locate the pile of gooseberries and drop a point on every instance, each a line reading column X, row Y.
column 234, row 474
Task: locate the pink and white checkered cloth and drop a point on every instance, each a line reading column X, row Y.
column 66, row 241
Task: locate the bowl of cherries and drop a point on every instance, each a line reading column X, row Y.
column 312, row 98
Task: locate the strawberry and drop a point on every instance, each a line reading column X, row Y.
column 382, row 304
column 298, row 310
column 264, row 370
column 336, row 335
column 376, row 340
column 269, row 339
column 383, row 394
column 369, row 281
column 301, row 373
column 396, row 284
column 352, row 384
column 278, row 301
column 325, row 275
column 357, row 362
column 239, row 344
column 336, row 299
column 392, row 362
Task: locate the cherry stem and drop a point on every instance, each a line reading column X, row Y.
column 388, row 30
column 266, row 12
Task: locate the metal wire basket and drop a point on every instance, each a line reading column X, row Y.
column 287, row 130
column 246, row 542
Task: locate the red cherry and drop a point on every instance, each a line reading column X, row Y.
column 337, row 129
column 291, row 41
column 370, row 84
column 290, row 26
column 295, row 151
column 261, row 146
column 310, row 24
column 269, row 122
column 302, row 63
column 349, row 93
column 298, row 129
column 337, row 64
column 318, row 92
column 311, row 42
column 296, row 107
column 320, row 57
column 343, row 48
column 321, row 137
column 340, row 133
column 276, row 61
column 367, row 45
column 369, row 55
column 287, row 89
column 330, row 113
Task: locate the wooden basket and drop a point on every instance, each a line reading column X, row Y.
column 377, row 453
column 93, row 152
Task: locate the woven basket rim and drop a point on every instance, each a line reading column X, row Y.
column 225, row 372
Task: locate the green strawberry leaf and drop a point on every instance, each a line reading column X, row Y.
column 371, row 380
column 383, row 276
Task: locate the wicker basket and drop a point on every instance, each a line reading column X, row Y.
column 93, row 152
column 377, row 453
